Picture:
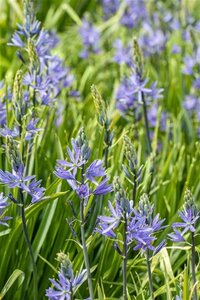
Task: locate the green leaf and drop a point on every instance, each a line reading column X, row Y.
column 16, row 275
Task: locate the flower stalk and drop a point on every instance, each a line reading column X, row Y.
column 193, row 267
column 125, row 253
column 30, row 249
column 146, row 124
column 149, row 274
column 83, row 240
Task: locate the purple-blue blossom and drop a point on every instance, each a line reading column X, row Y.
column 125, row 100
column 95, row 169
column 189, row 217
column 107, row 224
column 138, row 86
column 122, row 53
column 135, row 12
column 189, row 63
column 3, row 206
column 110, row 7
column 152, row 40
column 27, row 184
column 90, row 38
column 153, row 117
column 63, row 286
column 93, row 177
column 143, row 227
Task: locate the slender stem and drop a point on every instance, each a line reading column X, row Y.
column 28, row 242
column 134, row 186
column 146, row 123
column 85, row 253
column 71, row 292
column 106, row 156
column 125, row 251
column 149, row 275
column 107, row 142
column 193, row 267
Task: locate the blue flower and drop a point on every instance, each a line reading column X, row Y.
column 31, row 129
column 189, row 215
column 75, row 156
column 138, row 86
column 7, row 132
column 17, row 179
column 125, row 99
column 176, row 236
column 90, row 37
column 83, row 191
column 95, row 170
column 143, row 227
column 78, row 158
column 62, row 287
column 108, row 223
column 3, row 205
column 110, row 7
column 135, row 11
column 103, row 188
column 122, row 54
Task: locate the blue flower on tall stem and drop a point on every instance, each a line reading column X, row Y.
column 190, row 215
column 85, row 181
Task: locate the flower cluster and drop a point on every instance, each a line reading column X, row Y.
column 89, row 182
column 189, row 216
column 90, row 38
column 141, row 226
column 67, row 283
column 27, row 184
column 135, row 12
column 110, row 7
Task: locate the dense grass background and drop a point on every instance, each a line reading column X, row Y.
column 176, row 165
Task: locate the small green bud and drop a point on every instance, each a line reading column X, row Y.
column 13, row 153
column 33, row 56
column 130, row 153
column 65, row 264
column 137, row 59
column 146, row 208
column 17, row 88
column 83, row 144
column 189, row 201
column 99, row 104
column 120, row 195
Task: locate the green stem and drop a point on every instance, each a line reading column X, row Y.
column 85, row 252
column 107, row 142
column 193, row 267
column 27, row 240
column 134, row 187
column 71, row 292
column 125, row 251
column 146, row 124
column 149, row 275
